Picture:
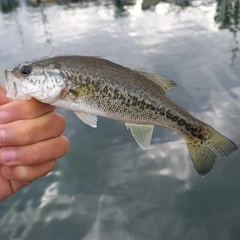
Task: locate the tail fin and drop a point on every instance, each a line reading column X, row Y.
column 206, row 150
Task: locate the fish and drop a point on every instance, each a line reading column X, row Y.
column 93, row 86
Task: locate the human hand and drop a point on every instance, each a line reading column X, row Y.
column 30, row 142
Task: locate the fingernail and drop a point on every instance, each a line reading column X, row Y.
column 6, row 171
column 2, row 136
column 8, row 155
column 4, row 117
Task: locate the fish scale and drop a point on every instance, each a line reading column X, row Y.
column 93, row 86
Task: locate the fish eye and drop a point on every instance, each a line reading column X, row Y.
column 25, row 70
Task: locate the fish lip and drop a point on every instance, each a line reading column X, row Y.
column 14, row 88
column 6, row 71
column 10, row 84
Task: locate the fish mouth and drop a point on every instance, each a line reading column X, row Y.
column 14, row 87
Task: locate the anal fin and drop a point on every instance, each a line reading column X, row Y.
column 142, row 134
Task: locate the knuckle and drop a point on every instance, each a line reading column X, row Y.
column 27, row 109
column 27, row 134
column 50, row 166
column 66, row 144
column 22, row 173
column 59, row 121
column 48, row 107
column 36, row 154
column 18, row 110
column 25, row 183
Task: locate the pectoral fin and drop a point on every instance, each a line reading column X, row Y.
column 163, row 82
column 142, row 134
column 88, row 118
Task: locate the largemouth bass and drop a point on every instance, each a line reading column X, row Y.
column 93, row 86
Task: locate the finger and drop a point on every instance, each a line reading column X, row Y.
column 34, row 154
column 16, row 185
column 9, row 187
column 6, row 190
column 28, row 173
column 18, row 110
column 25, row 132
column 3, row 98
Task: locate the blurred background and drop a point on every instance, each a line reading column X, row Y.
column 106, row 187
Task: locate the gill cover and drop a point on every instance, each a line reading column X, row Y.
column 54, row 82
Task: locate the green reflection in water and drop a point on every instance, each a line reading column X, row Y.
column 8, row 5
column 228, row 17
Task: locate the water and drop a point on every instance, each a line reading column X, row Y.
column 106, row 187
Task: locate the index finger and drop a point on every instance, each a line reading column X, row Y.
column 3, row 98
column 20, row 110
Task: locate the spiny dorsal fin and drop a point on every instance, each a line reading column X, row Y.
column 88, row 118
column 142, row 134
column 163, row 82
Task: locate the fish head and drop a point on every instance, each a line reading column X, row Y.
column 41, row 80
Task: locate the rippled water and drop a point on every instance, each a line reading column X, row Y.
column 106, row 187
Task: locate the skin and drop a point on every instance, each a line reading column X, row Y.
column 30, row 137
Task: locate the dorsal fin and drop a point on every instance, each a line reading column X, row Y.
column 163, row 82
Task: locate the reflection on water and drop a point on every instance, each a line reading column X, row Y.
column 227, row 14
column 228, row 17
column 106, row 187
column 8, row 5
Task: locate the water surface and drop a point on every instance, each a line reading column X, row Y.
column 106, row 187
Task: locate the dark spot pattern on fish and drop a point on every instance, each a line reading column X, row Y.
column 147, row 106
column 199, row 134
column 104, row 91
column 181, row 122
column 134, row 101
column 187, row 126
column 169, row 114
column 142, row 104
column 123, row 99
column 116, row 94
column 153, row 108
column 194, row 134
column 113, row 96
column 128, row 102
column 175, row 118
column 73, row 92
column 162, row 110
